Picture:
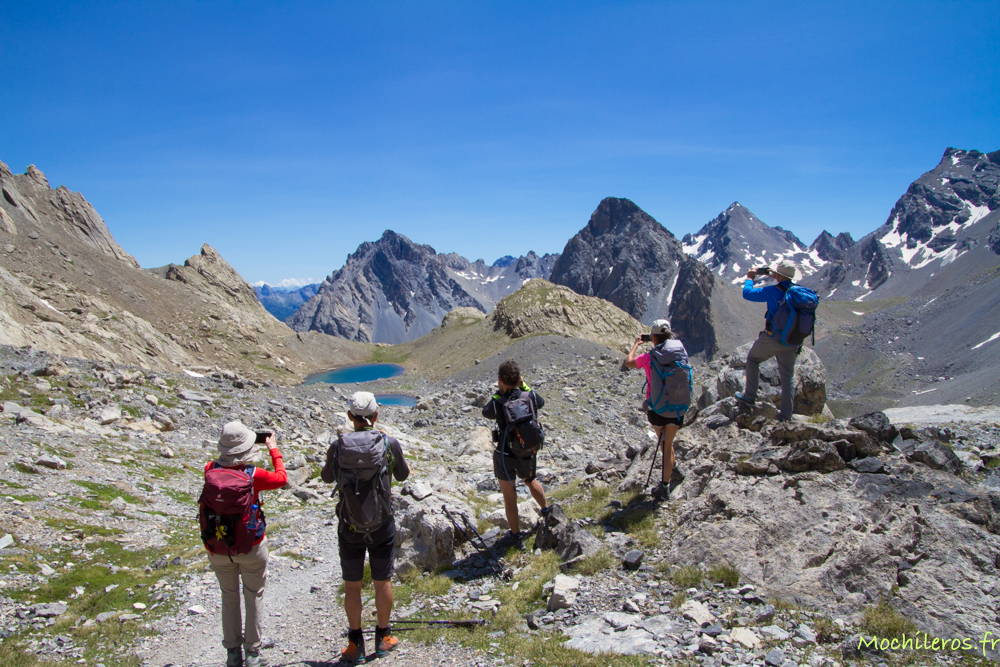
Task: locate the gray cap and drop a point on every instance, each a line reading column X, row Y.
column 661, row 327
column 237, row 445
column 363, row 404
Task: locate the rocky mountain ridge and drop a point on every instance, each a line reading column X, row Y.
column 395, row 290
column 67, row 287
column 737, row 241
column 283, row 302
column 626, row 257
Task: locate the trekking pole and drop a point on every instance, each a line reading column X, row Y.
column 652, row 463
column 505, row 573
column 489, row 561
column 455, row 624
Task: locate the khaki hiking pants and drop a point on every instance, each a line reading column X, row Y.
column 252, row 567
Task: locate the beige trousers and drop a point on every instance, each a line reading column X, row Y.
column 252, row 567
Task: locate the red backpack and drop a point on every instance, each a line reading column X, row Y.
column 230, row 521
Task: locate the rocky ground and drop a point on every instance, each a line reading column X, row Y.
column 776, row 548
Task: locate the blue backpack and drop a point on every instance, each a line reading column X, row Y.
column 671, row 379
column 795, row 318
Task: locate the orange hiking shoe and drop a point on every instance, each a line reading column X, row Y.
column 354, row 654
column 384, row 642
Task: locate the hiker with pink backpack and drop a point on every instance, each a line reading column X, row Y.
column 232, row 528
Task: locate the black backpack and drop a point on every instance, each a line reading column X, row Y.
column 361, row 465
column 524, row 434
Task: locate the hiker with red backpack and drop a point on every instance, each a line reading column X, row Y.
column 518, row 436
column 232, row 528
column 790, row 319
column 360, row 464
column 668, row 395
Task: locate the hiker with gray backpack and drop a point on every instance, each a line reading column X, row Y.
column 360, row 465
column 668, row 395
column 789, row 320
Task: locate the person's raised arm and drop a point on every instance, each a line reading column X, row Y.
column 751, row 293
column 630, row 359
column 265, row 480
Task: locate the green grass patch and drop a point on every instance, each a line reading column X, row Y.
column 69, row 525
column 106, row 492
column 724, row 574
column 687, row 577
column 27, row 470
column 818, row 419
column 637, row 518
column 593, row 505
column 992, row 462
column 882, row 620
column 602, row 560
column 388, row 355
column 678, row 599
column 825, row 629
column 13, row 485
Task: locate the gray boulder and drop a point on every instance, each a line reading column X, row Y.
column 877, row 425
column 811, row 455
column 937, row 455
column 810, row 380
column 570, row 541
column 425, row 537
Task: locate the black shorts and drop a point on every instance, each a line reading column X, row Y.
column 508, row 468
column 659, row 420
column 381, row 552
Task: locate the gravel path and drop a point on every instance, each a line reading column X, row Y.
column 304, row 624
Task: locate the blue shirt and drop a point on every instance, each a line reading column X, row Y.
column 772, row 295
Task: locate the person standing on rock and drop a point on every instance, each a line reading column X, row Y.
column 360, row 463
column 510, row 459
column 665, row 413
column 767, row 346
column 239, row 449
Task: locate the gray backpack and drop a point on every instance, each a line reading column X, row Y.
column 361, row 465
column 670, row 380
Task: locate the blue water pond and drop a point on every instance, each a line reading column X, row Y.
column 360, row 373
column 396, row 399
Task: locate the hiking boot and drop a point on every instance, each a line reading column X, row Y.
column 354, row 654
column 547, row 510
column 384, row 642
column 234, row 657
column 743, row 398
column 254, row 659
column 518, row 541
column 660, row 492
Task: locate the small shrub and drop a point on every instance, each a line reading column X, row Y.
column 724, row 574
column 824, row 628
column 687, row 577
column 677, row 599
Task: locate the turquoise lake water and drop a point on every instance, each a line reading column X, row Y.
column 396, row 399
column 360, row 373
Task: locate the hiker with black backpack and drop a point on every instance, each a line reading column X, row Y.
column 518, row 437
column 668, row 394
column 360, row 464
column 789, row 320
column 232, row 528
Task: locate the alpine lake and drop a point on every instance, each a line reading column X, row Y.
column 366, row 373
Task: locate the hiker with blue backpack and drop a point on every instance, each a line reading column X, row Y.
column 668, row 395
column 232, row 528
column 360, row 464
column 790, row 319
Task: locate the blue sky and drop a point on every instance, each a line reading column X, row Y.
column 285, row 134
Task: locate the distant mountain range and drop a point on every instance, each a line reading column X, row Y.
column 395, row 290
column 283, row 302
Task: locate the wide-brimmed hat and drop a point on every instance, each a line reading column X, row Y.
column 661, row 327
column 785, row 269
column 237, row 445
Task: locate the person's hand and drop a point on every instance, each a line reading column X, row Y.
column 751, row 274
column 638, row 341
column 271, row 441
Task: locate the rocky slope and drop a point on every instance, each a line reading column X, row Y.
column 737, row 241
column 67, row 287
column 773, row 546
column 283, row 302
column 394, row 290
column 625, row 256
